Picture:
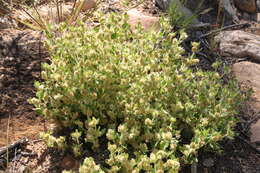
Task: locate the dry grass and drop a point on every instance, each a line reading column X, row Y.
column 56, row 14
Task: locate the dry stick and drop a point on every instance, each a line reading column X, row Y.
column 36, row 140
column 58, row 10
column 15, row 156
column 12, row 146
column 76, row 12
column 31, row 17
column 74, row 5
column 61, row 11
column 200, row 25
column 26, row 154
column 51, row 11
column 11, row 3
column 40, row 18
column 225, row 28
column 72, row 11
column 219, row 9
column 7, row 139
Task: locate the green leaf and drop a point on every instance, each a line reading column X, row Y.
column 114, row 35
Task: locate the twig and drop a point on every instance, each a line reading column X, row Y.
column 225, row 28
column 58, row 11
column 61, row 10
column 7, row 138
column 26, row 154
column 12, row 146
column 37, row 140
column 42, row 23
column 15, row 158
column 31, row 17
column 198, row 26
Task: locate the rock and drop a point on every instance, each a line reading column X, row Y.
column 147, row 22
column 246, row 5
column 255, row 132
column 248, row 74
column 239, row 44
column 187, row 13
column 88, row 4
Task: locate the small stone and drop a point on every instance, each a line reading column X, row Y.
column 239, row 44
column 147, row 22
column 246, row 5
column 88, row 4
column 247, row 73
column 209, row 162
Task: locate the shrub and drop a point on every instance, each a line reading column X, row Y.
column 112, row 83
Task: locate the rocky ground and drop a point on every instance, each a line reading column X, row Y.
column 237, row 44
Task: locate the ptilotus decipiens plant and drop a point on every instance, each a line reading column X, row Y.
column 110, row 82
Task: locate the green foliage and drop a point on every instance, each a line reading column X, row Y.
column 154, row 111
column 90, row 166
